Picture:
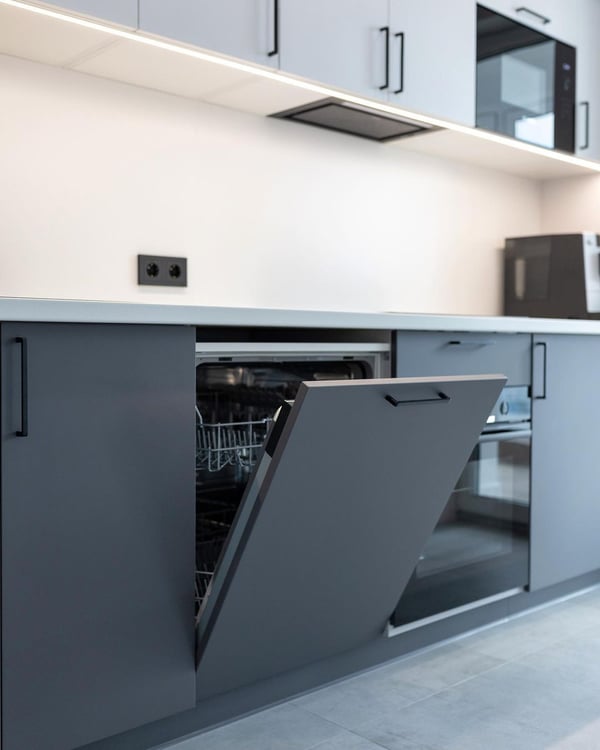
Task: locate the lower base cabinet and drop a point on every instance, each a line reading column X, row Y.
column 565, row 470
column 97, row 496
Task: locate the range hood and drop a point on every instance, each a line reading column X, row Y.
column 347, row 117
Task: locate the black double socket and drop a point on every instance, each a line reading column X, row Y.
column 162, row 270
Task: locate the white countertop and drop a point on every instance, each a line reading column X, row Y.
column 76, row 311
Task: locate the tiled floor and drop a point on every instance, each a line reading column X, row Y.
column 531, row 683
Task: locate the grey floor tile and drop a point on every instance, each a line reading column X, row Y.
column 536, row 698
column 447, row 721
column 346, row 741
column 533, row 632
column 389, row 688
column 442, row 667
column 363, row 698
column 284, row 727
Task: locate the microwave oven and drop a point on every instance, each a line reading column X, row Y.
column 553, row 276
column 525, row 83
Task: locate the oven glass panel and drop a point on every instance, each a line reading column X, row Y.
column 517, row 80
column 480, row 546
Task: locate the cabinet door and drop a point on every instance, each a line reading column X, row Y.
column 240, row 28
column 587, row 114
column 123, row 12
column 565, row 483
column 97, row 530
column 432, row 58
column 339, row 42
column 330, row 529
column 420, row 353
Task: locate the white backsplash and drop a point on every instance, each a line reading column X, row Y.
column 268, row 213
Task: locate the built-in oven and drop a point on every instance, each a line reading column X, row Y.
column 525, row 82
column 479, row 550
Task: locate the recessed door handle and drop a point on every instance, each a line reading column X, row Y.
column 538, row 16
column 471, row 343
column 441, row 398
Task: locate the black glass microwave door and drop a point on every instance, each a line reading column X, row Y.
column 516, row 73
column 330, row 529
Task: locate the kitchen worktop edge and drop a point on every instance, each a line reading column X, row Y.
column 79, row 311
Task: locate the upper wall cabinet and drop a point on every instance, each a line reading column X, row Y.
column 123, row 12
column 416, row 55
column 241, row 28
column 432, row 65
column 587, row 113
column 344, row 43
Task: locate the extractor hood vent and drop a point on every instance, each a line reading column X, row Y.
column 345, row 117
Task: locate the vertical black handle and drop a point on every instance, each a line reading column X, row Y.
column 587, row 125
column 543, row 345
column 275, row 49
column 386, row 30
column 400, row 36
column 24, row 431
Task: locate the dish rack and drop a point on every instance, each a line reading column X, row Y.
column 222, row 444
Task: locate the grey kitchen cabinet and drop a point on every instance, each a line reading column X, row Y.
column 420, row 56
column 587, row 113
column 565, row 482
column 122, row 12
column 241, row 28
column 338, row 42
column 432, row 58
column 421, row 353
column 97, row 501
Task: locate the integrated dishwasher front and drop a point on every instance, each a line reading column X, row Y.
column 318, row 481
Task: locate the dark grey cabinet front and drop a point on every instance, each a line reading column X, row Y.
column 331, row 527
column 97, row 530
column 565, row 450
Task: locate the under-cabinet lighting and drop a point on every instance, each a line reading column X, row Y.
column 326, row 91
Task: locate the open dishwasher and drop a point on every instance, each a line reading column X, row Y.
column 309, row 526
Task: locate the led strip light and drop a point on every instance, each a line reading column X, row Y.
column 325, row 91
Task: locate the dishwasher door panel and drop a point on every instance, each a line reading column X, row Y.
column 330, row 527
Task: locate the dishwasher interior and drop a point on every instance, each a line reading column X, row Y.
column 239, row 388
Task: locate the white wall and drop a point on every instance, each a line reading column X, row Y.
column 571, row 205
column 269, row 213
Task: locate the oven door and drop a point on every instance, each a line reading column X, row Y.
column 525, row 83
column 480, row 546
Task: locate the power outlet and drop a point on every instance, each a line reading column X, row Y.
column 162, row 270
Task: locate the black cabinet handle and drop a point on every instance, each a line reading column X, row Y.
column 275, row 49
column 400, row 36
column 457, row 342
column 24, row 431
column 543, row 345
column 587, row 125
column 442, row 398
column 539, row 16
column 386, row 30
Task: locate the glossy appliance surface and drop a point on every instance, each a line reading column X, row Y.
column 525, row 83
column 552, row 276
column 480, row 546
